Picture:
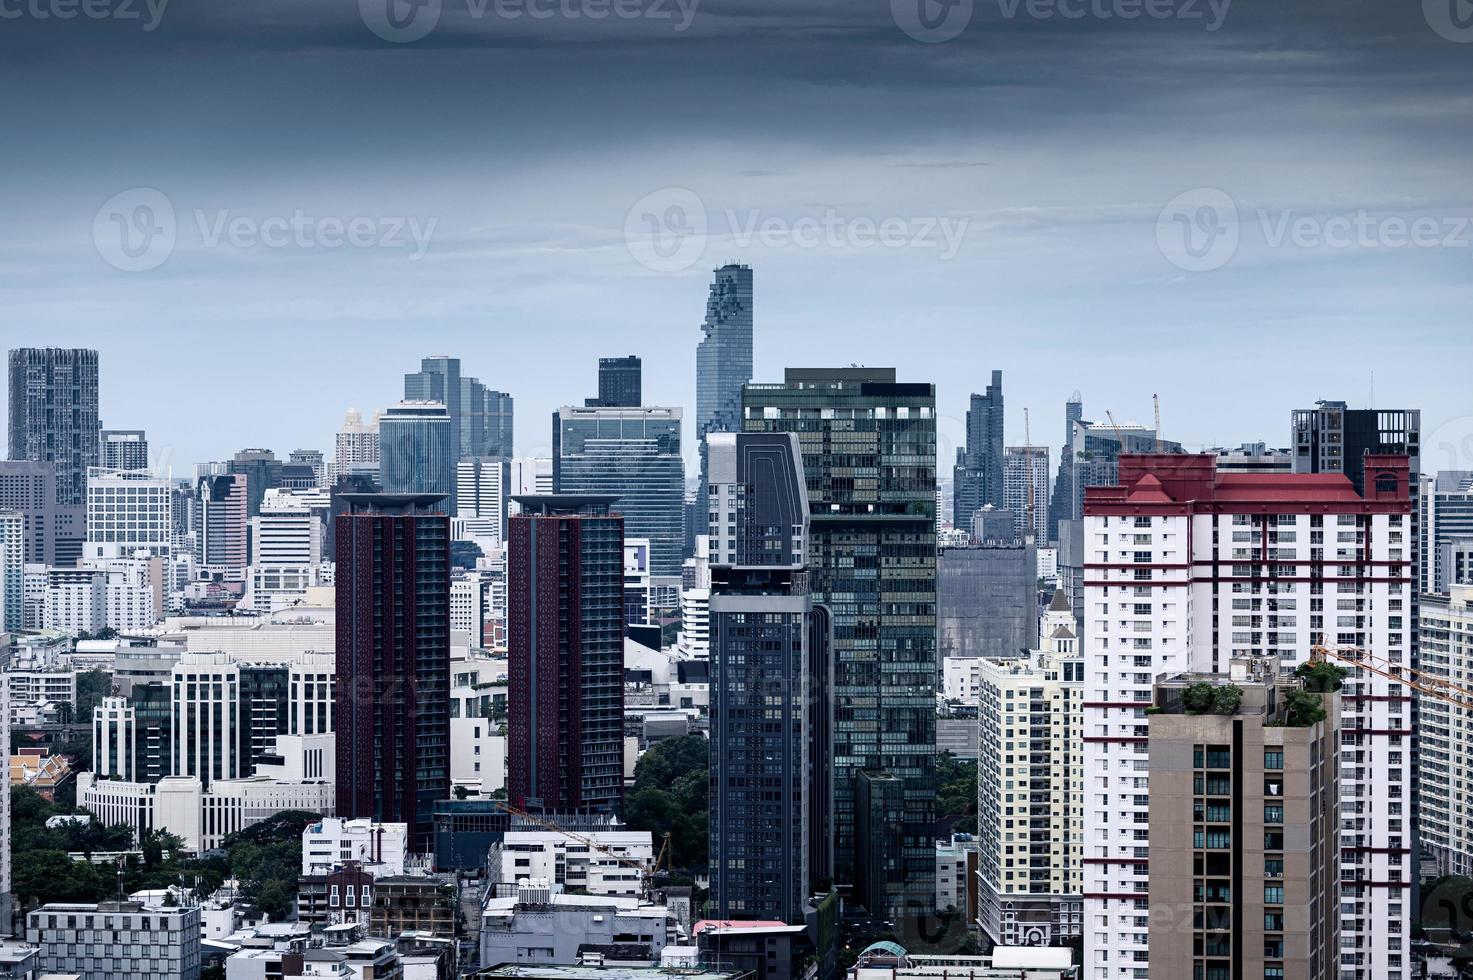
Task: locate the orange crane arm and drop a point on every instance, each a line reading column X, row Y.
column 1433, row 687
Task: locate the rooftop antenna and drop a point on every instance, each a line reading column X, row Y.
column 1156, row 403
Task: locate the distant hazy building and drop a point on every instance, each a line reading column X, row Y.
column 124, row 449
column 634, row 455
column 357, row 446
column 312, row 459
column 987, row 600
column 224, row 525
column 872, row 563
column 1025, row 489
column 619, row 383
column 1446, row 512
column 1254, row 457
column 771, row 677
column 977, row 478
column 417, row 452
column 1445, row 754
column 723, row 362
column 480, row 418
column 565, row 699
column 1061, row 503
column 262, row 471
column 53, row 414
column 54, row 532
column 481, row 498
column 527, row 477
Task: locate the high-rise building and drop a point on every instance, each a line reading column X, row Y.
column 286, row 548
column 480, row 418
column 12, row 571
column 1025, row 490
column 1334, row 438
column 1446, row 515
column 1188, row 569
column 438, row 380
column 499, row 423
column 1030, row 789
column 128, row 512
column 392, row 714
column 987, row 600
column 872, row 561
column 977, row 478
column 634, row 455
column 54, row 532
column 357, row 446
column 224, row 527
column 723, row 361
column 1245, row 848
column 313, row 460
column 527, row 477
column 480, row 496
column 1061, row 504
column 417, row 449
column 262, row 470
column 619, row 383
column 771, row 718
column 207, row 723
column 53, row 414
column 124, row 449
column 565, row 634
column 1444, row 751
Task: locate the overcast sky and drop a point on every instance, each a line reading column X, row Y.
column 264, row 213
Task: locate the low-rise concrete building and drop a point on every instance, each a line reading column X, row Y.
column 117, row 941
column 541, row 927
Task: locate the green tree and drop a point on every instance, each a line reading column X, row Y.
column 956, row 791
column 671, row 795
column 1226, row 698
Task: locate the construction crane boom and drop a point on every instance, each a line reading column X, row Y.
column 1119, row 437
column 1425, row 684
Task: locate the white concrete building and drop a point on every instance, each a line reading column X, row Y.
column 480, row 498
column 961, row 679
column 121, row 593
column 1030, row 789
column 207, row 718
column 539, row 926
column 128, row 511
column 611, row 865
column 526, row 476
column 956, row 861
column 357, row 446
column 470, row 604
column 286, row 549
column 1186, row 569
column 380, row 848
column 1445, row 748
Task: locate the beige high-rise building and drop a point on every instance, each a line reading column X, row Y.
column 1030, row 786
column 1244, row 852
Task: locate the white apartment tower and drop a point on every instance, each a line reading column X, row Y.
column 356, row 450
column 1186, row 569
column 128, row 511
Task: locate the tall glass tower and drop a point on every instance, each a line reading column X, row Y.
column 869, row 460
column 723, row 361
column 978, row 477
column 53, row 414
column 417, row 449
column 634, row 455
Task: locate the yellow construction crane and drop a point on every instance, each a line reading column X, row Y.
column 1156, row 403
column 1432, row 687
column 647, row 873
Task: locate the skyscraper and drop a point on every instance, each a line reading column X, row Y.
column 1025, row 490
column 1333, row 438
column 1190, row 569
column 53, row 414
column 54, row 533
column 565, row 633
column 357, row 446
column 12, row 570
column 723, row 360
column 872, row 558
column 417, row 449
column 392, row 714
column 1445, row 506
column 634, row 455
column 224, row 524
column 128, row 511
column 1061, row 504
column 499, row 419
column 480, row 418
column 438, row 380
column 977, row 478
column 619, row 383
column 262, row 470
column 771, row 716
column 124, row 449
column 481, row 497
